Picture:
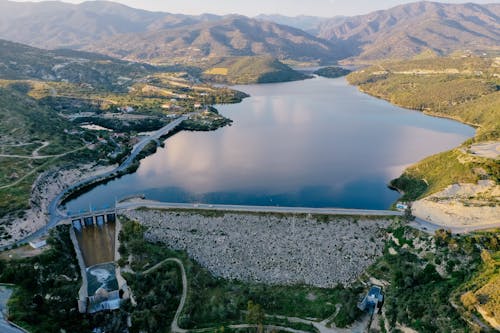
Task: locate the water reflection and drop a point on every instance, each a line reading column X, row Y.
column 310, row 143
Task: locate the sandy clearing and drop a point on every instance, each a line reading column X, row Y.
column 462, row 205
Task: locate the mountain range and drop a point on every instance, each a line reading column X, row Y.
column 407, row 30
column 310, row 24
column 127, row 33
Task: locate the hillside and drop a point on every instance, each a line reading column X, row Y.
column 18, row 61
column 459, row 187
column 230, row 36
column 124, row 32
column 245, row 70
column 310, row 24
column 29, row 129
column 120, row 31
column 408, row 30
column 59, row 24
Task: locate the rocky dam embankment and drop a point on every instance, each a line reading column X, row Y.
column 270, row 248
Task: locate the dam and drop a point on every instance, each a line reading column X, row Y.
column 94, row 237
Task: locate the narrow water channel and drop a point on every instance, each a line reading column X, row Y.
column 97, row 243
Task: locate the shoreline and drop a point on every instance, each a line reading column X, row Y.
column 464, row 209
column 46, row 187
column 425, row 112
column 45, row 214
column 91, row 179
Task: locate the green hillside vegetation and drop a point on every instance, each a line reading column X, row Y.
column 156, row 95
column 245, row 70
column 46, row 289
column 20, row 62
column 25, row 126
column 456, row 274
column 332, row 72
column 424, row 270
column 481, row 293
column 465, row 89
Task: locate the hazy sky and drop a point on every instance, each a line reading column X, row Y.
column 326, row 8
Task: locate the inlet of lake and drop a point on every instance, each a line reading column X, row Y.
column 312, row 143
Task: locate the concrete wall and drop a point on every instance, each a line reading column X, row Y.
column 82, row 293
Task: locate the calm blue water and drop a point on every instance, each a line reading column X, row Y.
column 317, row 143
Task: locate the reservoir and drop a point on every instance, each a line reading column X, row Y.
column 312, row 143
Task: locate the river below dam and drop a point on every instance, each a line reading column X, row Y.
column 311, row 143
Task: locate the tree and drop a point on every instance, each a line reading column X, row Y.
column 408, row 216
column 255, row 314
column 442, row 237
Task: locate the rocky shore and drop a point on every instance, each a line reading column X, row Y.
column 270, row 248
column 44, row 189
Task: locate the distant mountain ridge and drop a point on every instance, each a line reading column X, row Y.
column 133, row 34
column 120, row 31
column 232, row 35
column 310, row 24
column 407, row 30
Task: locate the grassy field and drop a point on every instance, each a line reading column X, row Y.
column 465, row 89
column 217, row 71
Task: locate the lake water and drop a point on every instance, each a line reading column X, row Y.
column 312, row 143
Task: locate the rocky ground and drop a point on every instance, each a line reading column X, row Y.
column 486, row 149
column 270, row 248
column 45, row 188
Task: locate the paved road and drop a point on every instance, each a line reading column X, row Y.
column 56, row 216
column 259, row 209
column 5, row 327
column 155, row 136
column 430, row 227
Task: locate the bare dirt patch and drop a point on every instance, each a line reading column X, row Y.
column 462, row 205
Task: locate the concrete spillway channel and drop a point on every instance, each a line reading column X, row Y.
column 95, row 245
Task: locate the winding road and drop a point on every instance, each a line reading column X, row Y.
column 56, row 216
column 175, row 323
column 430, row 227
column 6, row 326
column 359, row 327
